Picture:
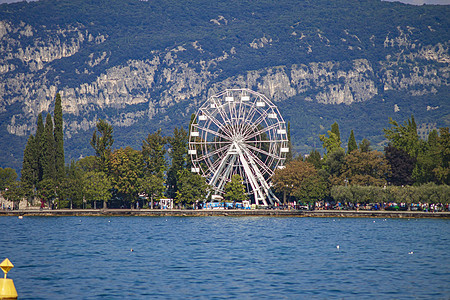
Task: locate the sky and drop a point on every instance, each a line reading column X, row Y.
column 415, row 2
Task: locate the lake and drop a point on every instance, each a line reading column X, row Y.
column 227, row 257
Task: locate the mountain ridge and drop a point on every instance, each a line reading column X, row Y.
column 137, row 64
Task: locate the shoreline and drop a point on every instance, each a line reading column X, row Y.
column 227, row 213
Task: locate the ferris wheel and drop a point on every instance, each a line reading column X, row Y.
column 239, row 131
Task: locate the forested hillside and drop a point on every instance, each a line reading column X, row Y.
column 145, row 65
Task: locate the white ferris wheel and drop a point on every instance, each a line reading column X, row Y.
column 239, row 131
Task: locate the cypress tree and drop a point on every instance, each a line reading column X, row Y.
column 30, row 166
column 102, row 141
column 59, row 138
column 289, row 155
column 39, row 146
column 335, row 130
column 351, row 143
column 48, row 165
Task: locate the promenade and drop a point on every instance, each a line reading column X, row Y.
column 228, row 213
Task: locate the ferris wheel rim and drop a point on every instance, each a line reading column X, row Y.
column 249, row 127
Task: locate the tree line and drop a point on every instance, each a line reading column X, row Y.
column 409, row 169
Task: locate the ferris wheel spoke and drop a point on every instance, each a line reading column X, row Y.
column 218, row 134
column 259, row 162
column 209, row 154
column 261, row 131
column 262, row 151
column 213, row 119
column 263, row 115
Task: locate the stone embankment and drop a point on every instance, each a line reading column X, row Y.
column 229, row 213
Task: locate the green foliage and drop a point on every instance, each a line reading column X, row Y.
column 191, row 187
column 404, row 136
column 126, row 172
column 335, row 130
column 428, row 193
column 364, row 146
column 301, row 180
column 102, row 141
column 315, row 159
column 351, row 143
column 363, row 168
column 442, row 171
column 30, row 166
column 59, row 138
column 152, row 186
column 178, row 154
column 289, row 155
column 7, row 177
column 235, row 189
column 402, row 166
column 96, row 187
column 47, row 190
column 49, row 154
column 334, row 162
column 39, row 146
column 15, row 191
column 331, row 143
column 153, row 153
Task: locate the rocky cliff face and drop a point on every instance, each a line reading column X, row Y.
column 163, row 80
column 140, row 89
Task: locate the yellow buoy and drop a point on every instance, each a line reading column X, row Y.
column 7, row 288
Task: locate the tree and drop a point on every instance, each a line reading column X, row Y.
column 102, row 141
column 334, row 162
column 442, row 170
column 178, row 152
column 71, row 186
column 126, row 170
column 39, row 146
column 404, row 136
column 96, row 187
column 289, row 155
column 331, row 143
column 86, row 164
column 335, row 130
column 15, row 192
column 191, row 187
column 235, row 189
column 153, row 187
column 153, row 153
column 363, row 168
column 351, row 143
column 312, row 189
column 299, row 179
column 401, row 165
column 59, row 138
column 315, row 159
column 7, row 177
column 47, row 191
column 364, row 146
column 48, row 165
column 30, row 165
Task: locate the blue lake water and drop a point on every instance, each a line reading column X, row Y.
column 225, row 257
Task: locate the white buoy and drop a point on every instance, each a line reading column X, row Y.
column 20, row 217
column 411, row 252
column 337, row 247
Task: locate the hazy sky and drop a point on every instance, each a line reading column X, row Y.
column 416, row 2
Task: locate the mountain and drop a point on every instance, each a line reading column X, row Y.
column 144, row 65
